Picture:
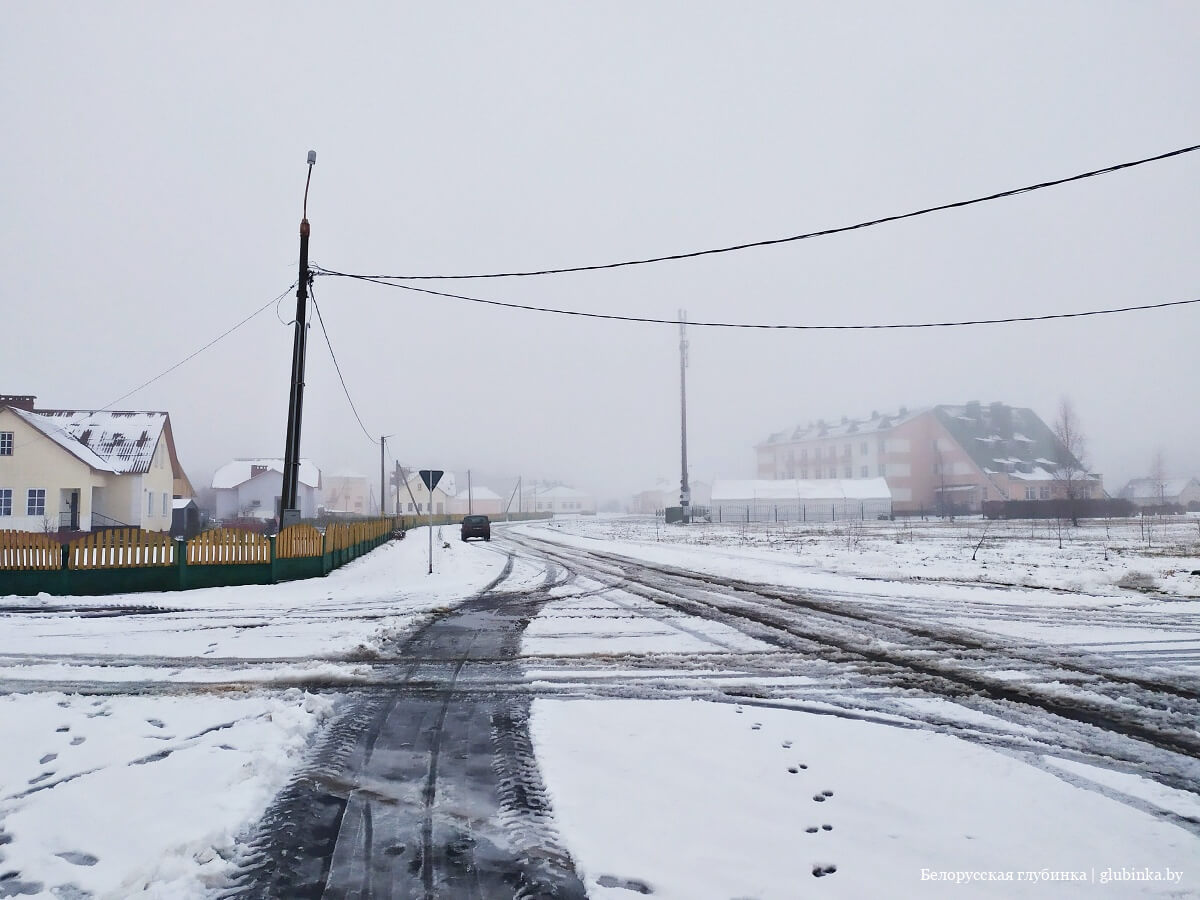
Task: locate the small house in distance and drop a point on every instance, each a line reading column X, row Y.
column 794, row 500
column 482, row 501
column 1151, row 492
column 250, row 488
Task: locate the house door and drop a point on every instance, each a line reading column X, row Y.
column 68, row 518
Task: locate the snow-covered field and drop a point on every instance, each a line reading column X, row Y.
column 697, row 799
column 141, row 735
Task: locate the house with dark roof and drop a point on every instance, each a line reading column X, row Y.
column 75, row 470
column 938, row 459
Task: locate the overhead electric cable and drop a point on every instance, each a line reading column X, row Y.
column 338, row 368
column 795, row 237
column 650, row 320
column 62, row 428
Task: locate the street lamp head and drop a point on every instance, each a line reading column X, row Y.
column 312, row 157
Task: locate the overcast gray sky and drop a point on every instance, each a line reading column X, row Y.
column 153, row 169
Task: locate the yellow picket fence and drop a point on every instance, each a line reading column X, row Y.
column 121, row 548
column 228, row 546
column 29, row 550
column 298, row 541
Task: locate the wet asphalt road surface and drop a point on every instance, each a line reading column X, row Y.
column 423, row 791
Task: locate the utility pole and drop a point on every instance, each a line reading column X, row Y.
column 685, row 492
column 397, row 476
column 382, row 480
column 468, row 492
column 289, row 512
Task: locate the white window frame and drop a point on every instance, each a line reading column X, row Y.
column 6, row 443
column 149, row 503
column 165, row 513
column 6, row 501
column 30, row 498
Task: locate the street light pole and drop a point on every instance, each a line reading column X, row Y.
column 289, row 512
column 685, row 491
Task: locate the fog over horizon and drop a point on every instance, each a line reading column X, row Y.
column 154, row 167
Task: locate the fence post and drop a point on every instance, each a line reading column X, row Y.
column 274, row 574
column 181, row 576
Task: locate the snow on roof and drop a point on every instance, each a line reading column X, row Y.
column 239, row 471
column 1038, row 474
column 1149, row 488
column 562, row 491
column 479, row 492
column 125, row 441
column 797, row 489
column 61, row 436
column 182, row 502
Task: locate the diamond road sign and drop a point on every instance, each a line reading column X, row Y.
column 431, row 477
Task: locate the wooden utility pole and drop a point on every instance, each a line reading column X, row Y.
column 289, row 512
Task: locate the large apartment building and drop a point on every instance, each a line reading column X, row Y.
column 936, row 459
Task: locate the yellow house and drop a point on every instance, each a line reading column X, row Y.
column 80, row 469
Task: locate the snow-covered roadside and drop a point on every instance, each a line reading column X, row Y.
column 313, row 629
column 139, row 795
column 702, row 800
column 118, row 794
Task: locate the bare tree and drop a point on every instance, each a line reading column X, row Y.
column 1069, row 466
column 1158, row 475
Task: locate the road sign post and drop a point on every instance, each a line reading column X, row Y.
column 431, row 477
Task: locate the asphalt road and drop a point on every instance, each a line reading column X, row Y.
column 424, row 790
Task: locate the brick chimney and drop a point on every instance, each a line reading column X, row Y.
column 18, row 401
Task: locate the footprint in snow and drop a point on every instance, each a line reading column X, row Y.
column 787, row 745
column 49, row 757
column 157, row 723
column 61, row 728
column 78, row 859
column 77, row 740
column 756, row 726
column 40, row 778
column 629, row 884
column 820, row 871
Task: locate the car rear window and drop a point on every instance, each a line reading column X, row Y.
column 475, row 520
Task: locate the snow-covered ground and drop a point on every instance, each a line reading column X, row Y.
column 141, row 735
column 693, row 799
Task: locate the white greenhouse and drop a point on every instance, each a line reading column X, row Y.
column 793, row 500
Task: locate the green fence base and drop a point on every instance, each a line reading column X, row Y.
column 64, row 582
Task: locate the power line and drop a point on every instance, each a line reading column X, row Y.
column 796, row 237
column 650, row 320
column 62, row 428
column 338, row 368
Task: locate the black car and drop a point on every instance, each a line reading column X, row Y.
column 476, row 527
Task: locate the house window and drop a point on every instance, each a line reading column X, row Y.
column 863, row 448
column 846, row 450
column 1030, row 493
column 1044, row 492
column 6, row 443
column 882, row 469
column 164, row 504
column 804, row 455
column 35, row 503
column 833, row 471
column 150, row 503
column 848, row 472
column 5, row 501
column 865, row 470
column 804, row 474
